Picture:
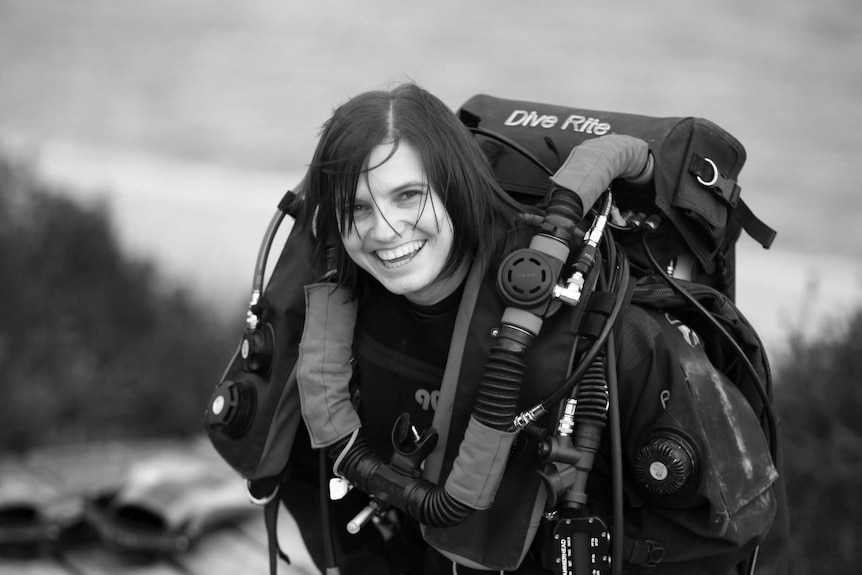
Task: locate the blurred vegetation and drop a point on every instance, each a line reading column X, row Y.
column 819, row 399
column 92, row 345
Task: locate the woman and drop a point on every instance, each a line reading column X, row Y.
column 411, row 198
column 405, row 205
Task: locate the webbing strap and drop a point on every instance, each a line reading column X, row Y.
column 597, row 310
column 446, row 402
column 270, row 519
column 753, row 226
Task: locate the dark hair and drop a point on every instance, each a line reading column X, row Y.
column 483, row 216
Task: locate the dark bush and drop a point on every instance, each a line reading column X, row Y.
column 819, row 396
column 92, row 344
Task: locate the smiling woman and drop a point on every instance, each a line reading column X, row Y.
column 402, row 234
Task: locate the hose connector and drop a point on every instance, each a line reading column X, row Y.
column 527, row 417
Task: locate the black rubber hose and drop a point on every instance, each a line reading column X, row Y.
column 616, row 458
column 562, row 215
column 593, row 393
column 439, row 509
column 496, row 401
column 359, row 456
column 435, row 507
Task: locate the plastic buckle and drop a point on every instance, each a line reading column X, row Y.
column 650, row 553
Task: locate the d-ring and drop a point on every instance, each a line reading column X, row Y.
column 259, row 500
column 714, row 179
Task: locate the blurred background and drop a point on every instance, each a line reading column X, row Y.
column 144, row 146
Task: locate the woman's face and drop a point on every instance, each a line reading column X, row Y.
column 402, row 234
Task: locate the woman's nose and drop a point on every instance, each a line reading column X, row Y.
column 383, row 225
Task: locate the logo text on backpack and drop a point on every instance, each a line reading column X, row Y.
column 688, row 334
column 427, row 400
column 574, row 122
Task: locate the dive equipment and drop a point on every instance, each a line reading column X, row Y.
column 253, row 413
column 256, row 347
column 666, row 462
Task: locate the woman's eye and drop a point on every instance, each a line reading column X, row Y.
column 408, row 195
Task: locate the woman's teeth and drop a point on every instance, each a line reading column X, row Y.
column 400, row 255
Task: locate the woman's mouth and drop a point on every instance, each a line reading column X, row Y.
column 400, row 255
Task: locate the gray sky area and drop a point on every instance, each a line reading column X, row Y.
column 195, row 116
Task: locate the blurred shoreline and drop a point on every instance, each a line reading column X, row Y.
column 202, row 224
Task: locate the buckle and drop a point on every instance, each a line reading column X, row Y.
column 646, row 553
column 655, row 554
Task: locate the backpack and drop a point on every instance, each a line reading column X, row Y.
column 253, row 416
column 695, row 187
column 695, row 191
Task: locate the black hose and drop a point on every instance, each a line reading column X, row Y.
column 427, row 503
column 562, row 215
column 497, row 397
column 355, row 460
column 439, row 509
column 593, row 393
column 616, row 459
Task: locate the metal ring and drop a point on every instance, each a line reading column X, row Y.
column 714, row 179
column 261, row 500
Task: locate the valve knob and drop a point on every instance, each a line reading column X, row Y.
column 231, row 408
column 256, row 349
column 665, row 463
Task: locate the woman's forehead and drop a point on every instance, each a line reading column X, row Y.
column 392, row 168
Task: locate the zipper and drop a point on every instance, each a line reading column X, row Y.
column 659, row 291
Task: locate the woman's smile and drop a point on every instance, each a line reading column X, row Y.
column 401, row 255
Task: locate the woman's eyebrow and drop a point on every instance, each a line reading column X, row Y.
column 409, row 185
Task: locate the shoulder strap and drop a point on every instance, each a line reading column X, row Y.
column 270, row 518
column 448, row 387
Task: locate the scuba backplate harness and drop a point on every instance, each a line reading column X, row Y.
column 673, row 179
